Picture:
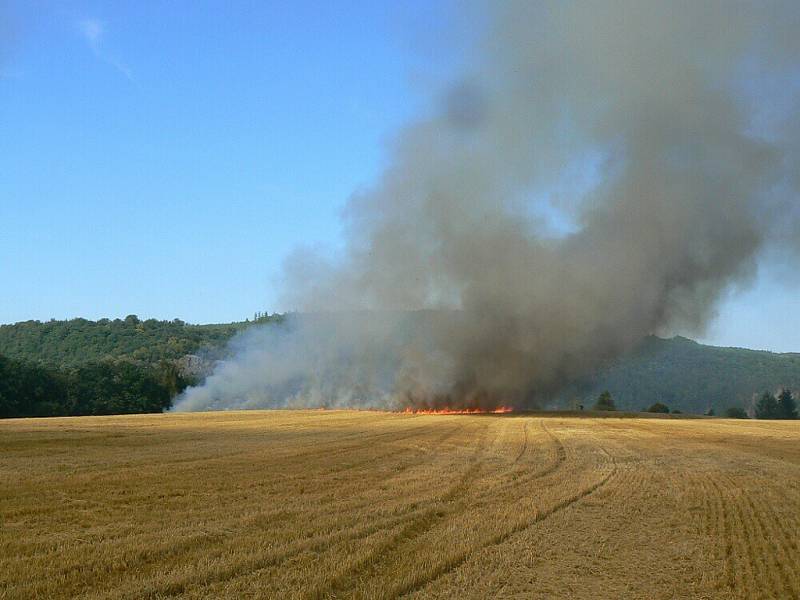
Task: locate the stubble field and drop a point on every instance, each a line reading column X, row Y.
column 329, row 504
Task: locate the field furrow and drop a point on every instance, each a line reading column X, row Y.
column 342, row 504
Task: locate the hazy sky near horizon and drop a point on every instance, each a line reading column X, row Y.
column 163, row 159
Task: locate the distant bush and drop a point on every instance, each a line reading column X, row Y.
column 658, row 407
column 675, row 411
column 605, row 402
column 736, row 412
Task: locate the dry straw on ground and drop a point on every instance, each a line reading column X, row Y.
column 320, row 504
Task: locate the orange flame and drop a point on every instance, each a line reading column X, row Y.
column 457, row 411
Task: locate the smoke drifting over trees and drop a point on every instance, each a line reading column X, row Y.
column 676, row 118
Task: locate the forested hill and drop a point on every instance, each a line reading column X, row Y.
column 81, row 367
column 678, row 372
column 79, row 341
column 693, row 377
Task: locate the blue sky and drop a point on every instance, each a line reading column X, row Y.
column 163, row 158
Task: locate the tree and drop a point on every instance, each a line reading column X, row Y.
column 658, row 407
column 605, row 402
column 787, row 407
column 710, row 412
column 108, row 388
column 736, row 412
column 171, row 378
column 68, row 344
column 767, row 407
column 30, row 390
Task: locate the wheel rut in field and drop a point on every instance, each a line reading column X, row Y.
column 764, row 541
column 392, row 451
column 746, row 544
column 459, row 559
column 559, row 459
column 360, row 438
column 413, row 516
column 524, row 448
column 372, row 563
column 413, row 524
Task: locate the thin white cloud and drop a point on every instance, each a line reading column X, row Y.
column 93, row 31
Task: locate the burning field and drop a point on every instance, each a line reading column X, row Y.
column 591, row 174
column 324, row 504
column 579, row 176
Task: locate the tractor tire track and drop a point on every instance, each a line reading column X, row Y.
column 317, row 543
column 153, row 553
column 419, row 525
column 524, row 448
column 558, row 461
column 759, row 533
column 459, row 559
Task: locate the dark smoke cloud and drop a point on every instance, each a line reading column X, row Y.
column 650, row 96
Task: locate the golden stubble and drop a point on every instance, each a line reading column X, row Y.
column 345, row 504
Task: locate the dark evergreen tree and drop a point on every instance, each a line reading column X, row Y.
column 767, row 407
column 787, row 407
column 605, row 402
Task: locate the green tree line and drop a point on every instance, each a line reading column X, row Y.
column 83, row 367
column 78, row 341
column 94, row 388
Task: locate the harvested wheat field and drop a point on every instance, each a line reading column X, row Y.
column 325, row 504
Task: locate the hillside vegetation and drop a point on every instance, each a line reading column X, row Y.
column 345, row 504
column 678, row 373
column 82, row 367
column 77, row 341
column 30, row 389
column 692, row 377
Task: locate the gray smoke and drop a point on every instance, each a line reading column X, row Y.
column 606, row 170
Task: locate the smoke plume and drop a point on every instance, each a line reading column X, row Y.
column 605, row 170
